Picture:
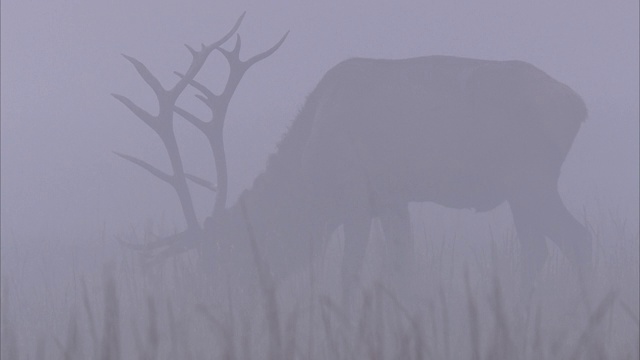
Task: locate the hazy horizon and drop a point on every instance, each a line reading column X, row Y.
column 61, row 60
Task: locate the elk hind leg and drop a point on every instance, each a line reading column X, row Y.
column 356, row 238
column 544, row 214
column 573, row 239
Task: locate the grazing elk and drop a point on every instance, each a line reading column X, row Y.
column 376, row 135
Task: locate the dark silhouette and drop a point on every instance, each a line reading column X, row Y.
column 377, row 134
column 373, row 136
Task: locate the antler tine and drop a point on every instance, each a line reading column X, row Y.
column 199, row 86
column 239, row 67
column 137, row 110
column 267, row 53
column 145, row 165
column 193, row 51
column 224, row 39
column 199, row 58
column 194, row 120
column 146, row 75
column 165, row 246
column 202, row 182
column 233, row 54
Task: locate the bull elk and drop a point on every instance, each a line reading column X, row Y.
column 375, row 135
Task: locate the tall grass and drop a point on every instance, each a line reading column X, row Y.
column 471, row 310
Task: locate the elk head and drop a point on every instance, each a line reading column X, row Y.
column 163, row 124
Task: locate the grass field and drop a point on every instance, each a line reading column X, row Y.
column 94, row 300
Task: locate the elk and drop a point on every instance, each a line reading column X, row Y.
column 375, row 135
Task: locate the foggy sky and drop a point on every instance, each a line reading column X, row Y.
column 61, row 61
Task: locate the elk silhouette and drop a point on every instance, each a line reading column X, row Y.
column 374, row 136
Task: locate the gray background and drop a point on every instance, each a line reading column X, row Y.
column 61, row 60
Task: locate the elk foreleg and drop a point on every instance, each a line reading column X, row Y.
column 399, row 269
column 356, row 238
column 573, row 239
column 396, row 224
column 533, row 247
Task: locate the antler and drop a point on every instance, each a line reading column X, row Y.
column 219, row 104
column 162, row 124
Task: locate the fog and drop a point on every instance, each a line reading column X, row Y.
column 66, row 196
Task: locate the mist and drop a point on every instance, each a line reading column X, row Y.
column 67, row 198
